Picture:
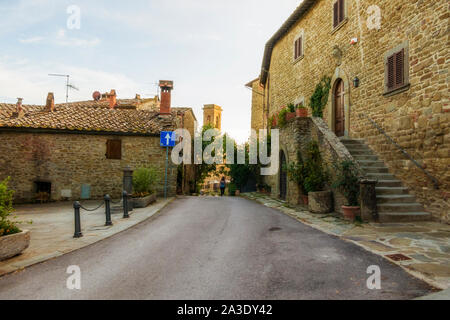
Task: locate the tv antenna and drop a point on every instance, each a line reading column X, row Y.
column 68, row 85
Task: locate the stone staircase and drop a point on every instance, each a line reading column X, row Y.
column 394, row 202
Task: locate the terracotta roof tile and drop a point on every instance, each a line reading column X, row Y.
column 87, row 116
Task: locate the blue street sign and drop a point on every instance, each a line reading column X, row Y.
column 167, row 139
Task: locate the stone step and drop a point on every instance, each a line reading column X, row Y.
column 380, row 176
column 359, row 157
column 386, row 217
column 400, row 207
column 375, row 170
column 347, row 141
column 370, row 163
column 402, row 198
column 391, row 190
column 389, row 183
column 363, row 152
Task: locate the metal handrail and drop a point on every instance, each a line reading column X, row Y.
column 406, row 154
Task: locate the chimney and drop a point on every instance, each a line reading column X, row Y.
column 19, row 113
column 112, row 99
column 50, row 105
column 19, row 105
column 166, row 88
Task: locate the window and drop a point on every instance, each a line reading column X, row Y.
column 338, row 12
column 114, row 149
column 298, row 50
column 396, row 69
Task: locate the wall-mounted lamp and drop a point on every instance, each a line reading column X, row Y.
column 356, row 82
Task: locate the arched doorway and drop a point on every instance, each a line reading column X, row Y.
column 339, row 109
column 283, row 176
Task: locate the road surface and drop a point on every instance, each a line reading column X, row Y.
column 216, row 248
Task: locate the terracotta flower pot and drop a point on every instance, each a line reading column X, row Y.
column 305, row 199
column 290, row 116
column 350, row 213
column 301, row 112
column 274, row 122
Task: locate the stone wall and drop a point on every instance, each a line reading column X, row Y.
column 296, row 137
column 70, row 160
column 418, row 118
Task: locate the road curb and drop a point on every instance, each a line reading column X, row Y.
column 21, row 266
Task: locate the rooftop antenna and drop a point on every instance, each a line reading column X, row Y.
column 68, row 85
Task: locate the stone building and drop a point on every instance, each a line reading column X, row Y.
column 259, row 116
column 387, row 63
column 212, row 114
column 79, row 150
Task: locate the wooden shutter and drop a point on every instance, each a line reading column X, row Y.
column 114, row 149
column 391, row 72
column 300, row 46
column 396, row 70
column 341, row 10
column 399, row 68
column 336, row 14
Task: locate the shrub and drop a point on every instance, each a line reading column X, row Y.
column 316, row 177
column 296, row 173
column 232, row 189
column 291, row 107
column 7, row 227
column 282, row 118
column 347, row 181
column 144, row 181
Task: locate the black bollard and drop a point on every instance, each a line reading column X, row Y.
column 77, row 206
column 125, row 205
column 108, row 210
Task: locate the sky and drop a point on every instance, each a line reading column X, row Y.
column 209, row 48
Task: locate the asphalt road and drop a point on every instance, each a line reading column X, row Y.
column 215, row 248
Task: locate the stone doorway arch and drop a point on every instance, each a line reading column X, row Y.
column 283, row 175
column 339, row 78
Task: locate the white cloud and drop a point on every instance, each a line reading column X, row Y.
column 31, row 40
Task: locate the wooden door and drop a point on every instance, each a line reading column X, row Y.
column 339, row 124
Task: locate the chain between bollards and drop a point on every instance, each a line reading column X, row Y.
column 125, row 205
column 77, row 207
column 108, row 210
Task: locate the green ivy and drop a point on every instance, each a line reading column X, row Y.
column 319, row 98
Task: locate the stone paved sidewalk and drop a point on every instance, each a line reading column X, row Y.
column 425, row 245
column 53, row 228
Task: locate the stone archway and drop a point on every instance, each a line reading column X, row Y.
column 339, row 78
column 283, row 176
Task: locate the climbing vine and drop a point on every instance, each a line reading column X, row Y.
column 319, row 98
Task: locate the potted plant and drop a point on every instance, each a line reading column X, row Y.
column 291, row 112
column 13, row 241
column 347, row 182
column 301, row 111
column 282, row 117
column 144, row 181
column 315, row 181
column 296, row 173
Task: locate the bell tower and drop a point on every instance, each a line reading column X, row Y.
column 212, row 114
